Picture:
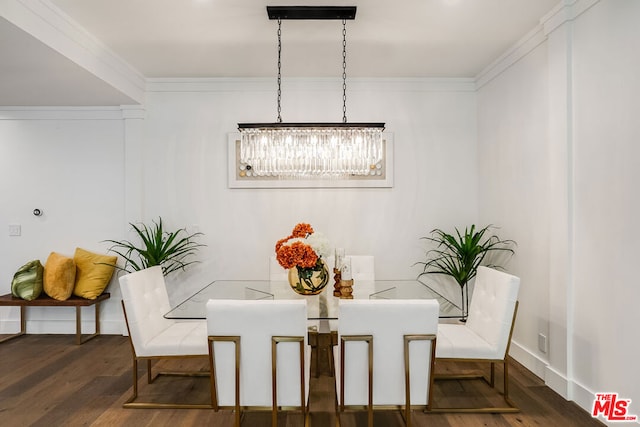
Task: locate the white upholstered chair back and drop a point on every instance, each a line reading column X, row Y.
column 485, row 336
column 256, row 322
column 492, row 307
column 387, row 321
column 145, row 298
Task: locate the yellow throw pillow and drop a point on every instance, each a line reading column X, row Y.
column 93, row 273
column 59, row 276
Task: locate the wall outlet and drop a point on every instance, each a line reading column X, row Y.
column 542, row 343
column 15, row 230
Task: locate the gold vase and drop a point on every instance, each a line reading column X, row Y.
column 309, row 281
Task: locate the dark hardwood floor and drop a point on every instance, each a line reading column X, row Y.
column 48, row 380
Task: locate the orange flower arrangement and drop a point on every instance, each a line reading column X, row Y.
column 299, row 249
column 301, row 253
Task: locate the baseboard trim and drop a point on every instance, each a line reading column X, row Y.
column 584, row 397
column 528, row 359
column 553, row 379
column 556, row 381
column 63, row 326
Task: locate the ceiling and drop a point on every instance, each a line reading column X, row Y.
column 113, row 45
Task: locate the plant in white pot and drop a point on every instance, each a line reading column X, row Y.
column 459, row 255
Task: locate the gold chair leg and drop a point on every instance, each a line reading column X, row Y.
column 407, row 371
column 212, row 368
column 335, row 402
column 507, row 399
column 275, row 340
column 492, row 377
column 132, row 403
column 369, row 340
column 135, row 379
column 510, row 405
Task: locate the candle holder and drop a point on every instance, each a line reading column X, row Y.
column 337, row 271
column 337, row 276
column 346, row 289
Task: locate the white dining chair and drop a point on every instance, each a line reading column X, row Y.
column 258, row 355
column 385, row 354
column 362, row 269
column 279, row 274
column 486, row 335
column 152, row 337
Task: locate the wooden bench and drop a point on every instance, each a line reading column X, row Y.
column 45, row 301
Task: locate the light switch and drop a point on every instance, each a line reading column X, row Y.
column 15, row 230
column 542, row 343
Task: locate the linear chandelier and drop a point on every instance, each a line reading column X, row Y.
column 311, row 150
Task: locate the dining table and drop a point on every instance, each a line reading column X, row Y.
column 320, row 307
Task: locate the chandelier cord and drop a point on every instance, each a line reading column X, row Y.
column 279, row 70
column 344, row 71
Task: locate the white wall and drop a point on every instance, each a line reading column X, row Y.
column 69, row 164
column 606, row 67
column 559, row 163
column 514, row 183
column 92, row 177
column 433, row 124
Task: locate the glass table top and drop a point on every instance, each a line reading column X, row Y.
column 319, row 307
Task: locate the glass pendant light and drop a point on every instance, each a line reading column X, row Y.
column 309, row 150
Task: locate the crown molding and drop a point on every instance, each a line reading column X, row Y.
column 518, row 51
column 51, row 26
column 566, row 11
column 133, row 111
column 67, row 113
column 228, row 84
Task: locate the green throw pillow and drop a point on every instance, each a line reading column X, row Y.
column 27, row 282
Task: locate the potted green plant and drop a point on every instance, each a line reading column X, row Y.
column 459, row 255
column 169, row 249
